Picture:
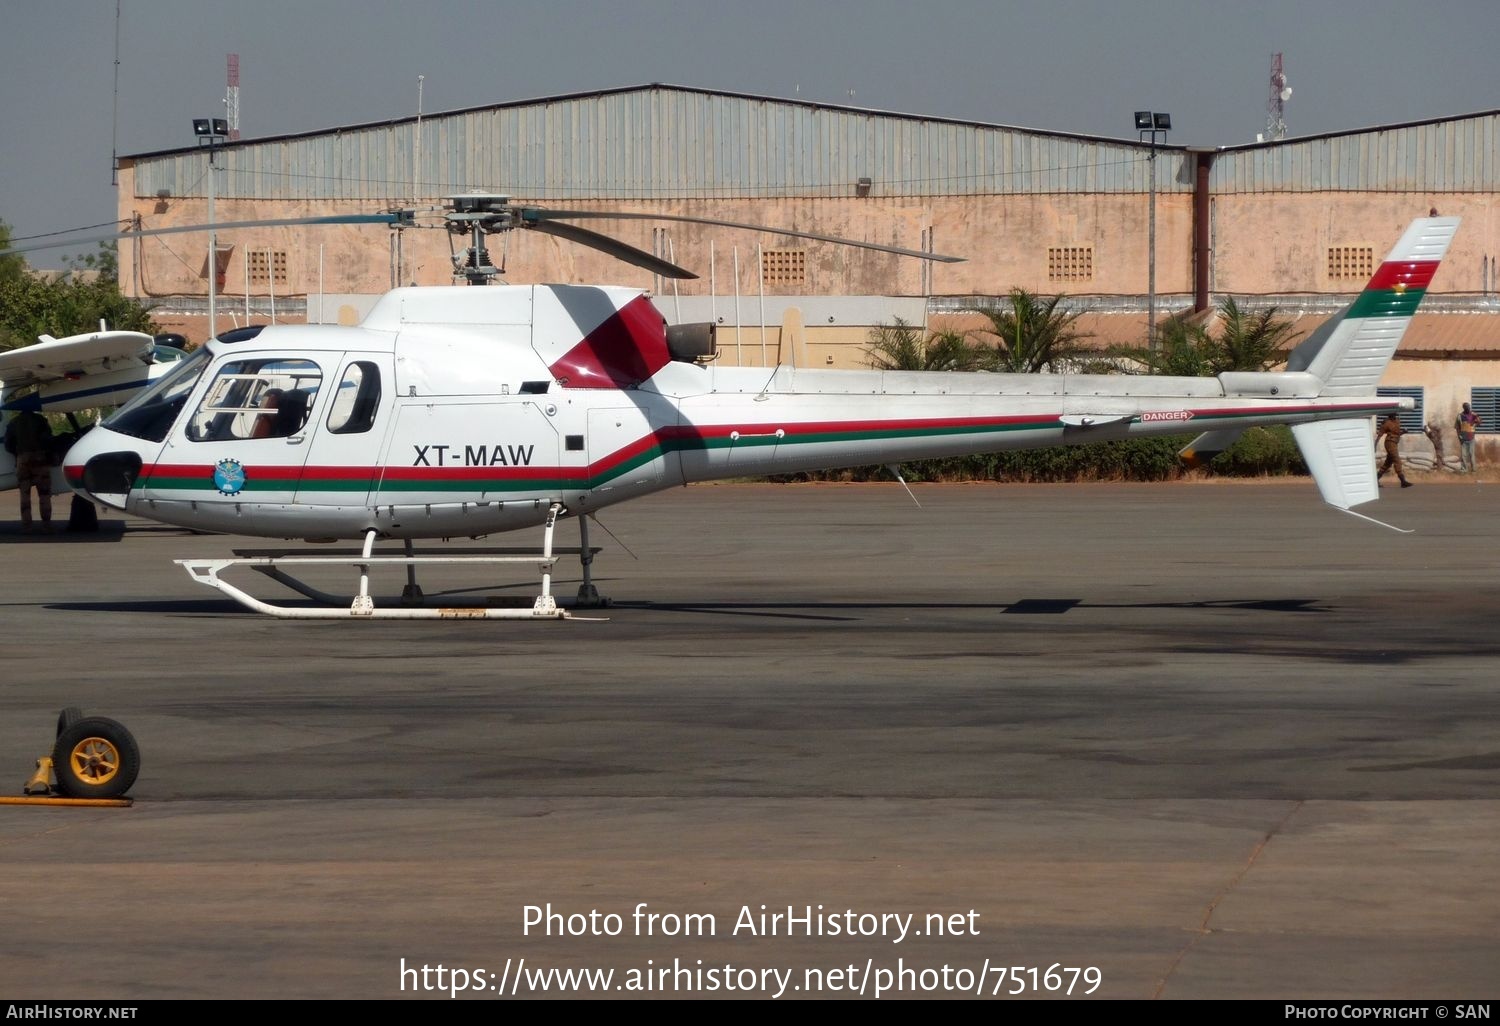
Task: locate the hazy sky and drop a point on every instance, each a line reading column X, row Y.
column 1066, row 65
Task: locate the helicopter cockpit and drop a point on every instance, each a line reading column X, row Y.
column 256, row 398
column 151, row 413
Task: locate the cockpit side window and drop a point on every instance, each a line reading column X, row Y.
column 357, row 399
column 153, row 411
column 256, row 398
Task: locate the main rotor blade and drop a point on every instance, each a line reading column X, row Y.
column 216, row 227
column 538, row 214
column 614, row 247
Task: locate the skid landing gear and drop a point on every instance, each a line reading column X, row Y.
column 274, row 564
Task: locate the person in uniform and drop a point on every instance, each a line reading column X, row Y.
column 28, row 437
column 1390, row 430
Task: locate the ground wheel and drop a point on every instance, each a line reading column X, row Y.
column 70, row 715
column 95, row 757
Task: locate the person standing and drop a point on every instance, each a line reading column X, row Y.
column 28, row 437
column 1467, row 425
column 1435, row 436
column 1390, row 429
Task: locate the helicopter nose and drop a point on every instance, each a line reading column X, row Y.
column 109, row 476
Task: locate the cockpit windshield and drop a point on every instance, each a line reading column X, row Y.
column 152, row 412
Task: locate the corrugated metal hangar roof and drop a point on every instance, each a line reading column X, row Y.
column 658, row 141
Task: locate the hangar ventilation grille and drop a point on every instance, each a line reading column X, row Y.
column 264, row 264
column 1413, row 419
column 1351, row 262
column 1485, row 401
column 784, row 266
column 1070, row 263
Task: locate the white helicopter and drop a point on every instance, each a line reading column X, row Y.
column 456, row 412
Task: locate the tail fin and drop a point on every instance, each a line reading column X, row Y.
column 1349, row 354
column 1339, row 455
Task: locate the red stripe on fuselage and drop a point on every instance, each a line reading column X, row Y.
column 622, row 352
column 678, row 433
column 341, row 473
column 857, row 426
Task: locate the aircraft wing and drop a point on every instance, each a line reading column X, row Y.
column 74, row 357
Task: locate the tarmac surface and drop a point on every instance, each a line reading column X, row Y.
column 1168, row 741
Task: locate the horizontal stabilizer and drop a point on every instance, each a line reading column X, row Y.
column 1206, row 446
column 1340, row 455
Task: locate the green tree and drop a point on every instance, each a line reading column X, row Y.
column 31, row 306
column 105, row 260
column 1251, row 342
column 1032, row 334
column 1245, row 342
column 12, row 267
column 901, row 346
column 1183, row 349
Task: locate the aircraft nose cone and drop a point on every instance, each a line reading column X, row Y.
column 109, row 476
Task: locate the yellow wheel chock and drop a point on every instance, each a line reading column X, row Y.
column 101, row 759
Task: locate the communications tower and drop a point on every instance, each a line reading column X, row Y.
column 1276, row 105
column 232, row 97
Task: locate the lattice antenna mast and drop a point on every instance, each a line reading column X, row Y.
column 232, row 97
column 1276, row 105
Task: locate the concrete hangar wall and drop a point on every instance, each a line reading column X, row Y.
column 1294, row 222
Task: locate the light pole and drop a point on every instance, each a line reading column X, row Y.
column 1148, row 125
column 211, row 132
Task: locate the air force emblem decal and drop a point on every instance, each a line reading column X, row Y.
column 229, row 477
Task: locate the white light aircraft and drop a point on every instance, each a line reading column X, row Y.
column 456, row 412
column 81, row 372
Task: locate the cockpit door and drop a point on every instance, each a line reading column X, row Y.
column 247, row 438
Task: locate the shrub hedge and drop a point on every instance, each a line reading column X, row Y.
column 1259, row 452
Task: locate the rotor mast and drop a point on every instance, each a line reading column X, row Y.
column 478, row 214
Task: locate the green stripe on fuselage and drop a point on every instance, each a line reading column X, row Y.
column 469, row 484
